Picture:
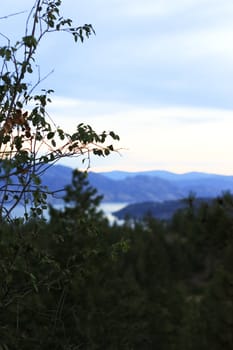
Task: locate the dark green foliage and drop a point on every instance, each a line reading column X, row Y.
column 76, row 282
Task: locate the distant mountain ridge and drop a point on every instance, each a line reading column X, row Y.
column 158, row 210
column 167, row 175
column 145, row 186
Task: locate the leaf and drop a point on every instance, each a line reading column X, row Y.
column 33, row 280
column 19, row 104
column 29, row 69
column 30, row 41
column 110, row 147
column 50, row 135
column 36, row 179
column 114, row 136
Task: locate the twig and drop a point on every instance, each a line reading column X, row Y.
column 13, row 14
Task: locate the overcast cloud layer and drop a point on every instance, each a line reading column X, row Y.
column 159, row 72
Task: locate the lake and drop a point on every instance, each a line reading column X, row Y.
column 107, row 207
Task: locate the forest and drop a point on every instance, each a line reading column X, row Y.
column 76, row 282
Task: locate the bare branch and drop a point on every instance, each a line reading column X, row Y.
column 13, row 14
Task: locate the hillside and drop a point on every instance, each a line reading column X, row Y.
column 149, row 186
column 135, row 189
column 158, row 210
column 159, row 186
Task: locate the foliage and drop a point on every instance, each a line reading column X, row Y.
column 29, row 139
column 76, row 282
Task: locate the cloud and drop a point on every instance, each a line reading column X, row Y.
column 69, row 109
column 138, row 9
column 159, row 135
column 145, row 52
column 159, row 73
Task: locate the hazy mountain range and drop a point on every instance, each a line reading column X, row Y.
column 160, row 210
column 133, row 187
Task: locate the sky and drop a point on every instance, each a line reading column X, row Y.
column 158, row 72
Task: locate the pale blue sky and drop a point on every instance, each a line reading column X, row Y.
column 158, row 72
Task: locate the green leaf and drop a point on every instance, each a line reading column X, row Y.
column 33, row 280
column 50, row 135
column 36, row 179
column 19, row 104
column 29, row 69
column 110, row 147
column 30, row 41
column 114, row 136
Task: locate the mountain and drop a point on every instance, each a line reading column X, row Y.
column 158, row 210
column 161, row 211
column 160, row 185
column 166, row 175
column 146, row 186
column 201, row 184
column 135, row 188
column 56, row 178
column 121, row 175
